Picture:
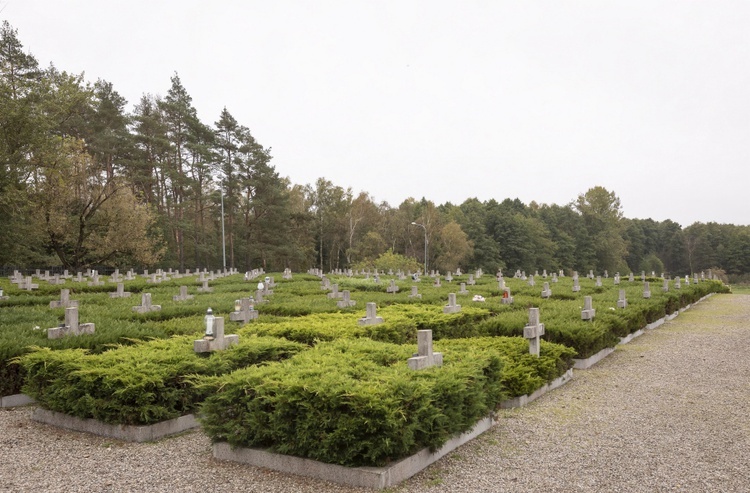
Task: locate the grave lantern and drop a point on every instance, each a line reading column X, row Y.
column 237, row 305
column 209, row 324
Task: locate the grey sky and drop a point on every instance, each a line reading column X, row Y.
column 539, row 100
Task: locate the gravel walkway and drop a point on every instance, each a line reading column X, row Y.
column 667, row 412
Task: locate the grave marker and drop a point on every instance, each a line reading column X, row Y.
column 507, row 299
column 622, row 302
column 463, row 289
column 120, row 293
column 334, row 294
column 451, row 307
column 70, row 327
column 425, row 357
column 392, row 288
column 533, row 331
column 414, row 293
column 371, row 317
column 214, row 340
column 146, row 305
column 183, row 296
column 588, row 312
column 646, row 290
column 546, row 291
column 346, row 301
column 244, row 311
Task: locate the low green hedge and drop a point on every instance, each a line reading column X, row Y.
column 140, row 384
column 356, row 403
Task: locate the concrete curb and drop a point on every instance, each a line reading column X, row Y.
column 127, row 433
column 371, row 477
column 16, row 400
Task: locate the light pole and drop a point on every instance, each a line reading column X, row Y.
column 425, row 245
column 223, row 236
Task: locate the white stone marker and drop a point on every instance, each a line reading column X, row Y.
column 451, row 307
column 346, row 300
column 64, row 301
column 371, row 317
column 588, row 312
column 665, row 285
column 507, row 299
column 244, row 312
column 533, row 331
column 463, row 289
column 622, row 302
column 120, row 293
column 646, row 290
column 183, row 296
column 70, row 327
column 204, row 287
column 546, row 291
column 576, row 286
column 471, row 280
column 216, row 341
column 146, row 305
column 531, row 281
column 425, row 358
column 334, row 294
column 414, row 293
column 677, row 284
column 392, row 288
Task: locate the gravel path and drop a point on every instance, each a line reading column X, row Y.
column 667, row 412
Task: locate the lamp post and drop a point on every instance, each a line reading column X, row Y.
column 223, row 236
column 425, row 245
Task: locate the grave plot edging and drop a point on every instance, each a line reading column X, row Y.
column 128, row 433
column 16, row 400
column 371, row 477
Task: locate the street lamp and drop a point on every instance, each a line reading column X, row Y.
column 425, row 245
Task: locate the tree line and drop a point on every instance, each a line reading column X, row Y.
column 84, row 182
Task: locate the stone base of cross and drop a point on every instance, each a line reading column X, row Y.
column 371, row 317
column 70, row 327
column 533, row 331
column 146, row 305
column 425, row 358
column 245, row 313
column 588, row 312
column 451, row 307
column 220, row 342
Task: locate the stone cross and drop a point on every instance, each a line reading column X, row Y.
column 334, row 294
column 425, row 358
column 631, row 277
column 449, row 277
column 471, row 280
column 153, row 279
column 146, row 305
column 414, row 293
column 70, row 327
column 544, row 274
column 588, row 312
column 665, row 285
column 325, row 284
column 546, row 291
column 576, row 286
column 533, row 331
column 64, row 301
column 622, row 302
column 437, row 282
column 531, row 281
column 120, row 293
column 598, row 283
column 183, row 295
column 695, row 278
column 95, row 280
column 220, row 342
column 677, row 284
column 554, row 277
column 115, row 276
column 643, row 276
column 204, row 287
column 451, row 307
column 687, row 279
column 392, row 288
column 463, row 289
column 79, row 277
column 617, row 279
column 507, row 299
column 27, row 285
column 346, row 300
column 287, row 273
column 646, row 290
column 56, row 280
column 591, row 274
column 371, row 318
column 606, row 274
column 246, row 312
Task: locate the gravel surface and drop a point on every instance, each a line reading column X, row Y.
column 667, row 412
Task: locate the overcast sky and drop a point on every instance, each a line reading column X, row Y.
column 536, row 100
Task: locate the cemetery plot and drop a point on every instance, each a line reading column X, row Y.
column 358, row 374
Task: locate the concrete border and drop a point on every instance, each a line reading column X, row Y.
column 372, row 477
column 585, row 364
column 127, row 433
column 631, row 336
column 655, row 324
column 522, row 400
column 16, row 400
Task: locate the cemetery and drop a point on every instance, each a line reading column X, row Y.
column 379, row 378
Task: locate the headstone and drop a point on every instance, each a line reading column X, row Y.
column 533, row 331
column 346, row 300
column 677, row 284
column 120, row 293
column 591, row 274
column 425, row 358
column 56, row 279
column 643, row 276
column 334, row 294
column 414, row 293
column 622, row 302
column 2, row 296
column 598, row 283
column 325, row 284
column 646, row 290
column 183, row 296
column 287, row 274
column 27, row 285
column 617, row 279
column 554, row 277
column 665, row 285
column 153, row 279
column 146, row 305
column 244, row 312
column 544, row 274
column 507, row 299
column 392, row 288
column 463, row 289
column 576, row 286
column 449, row 277
column 218, row 341
column 588, row 312
column 436, row 284
column 451, row 307
column 204, row 287
column 471, row 280
column 606, row 275
column 546, row 291
column 531, row 281
column 631, row 277
column 371, row 317
column 64, row 301
column 95, row 280
column 70, row 327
